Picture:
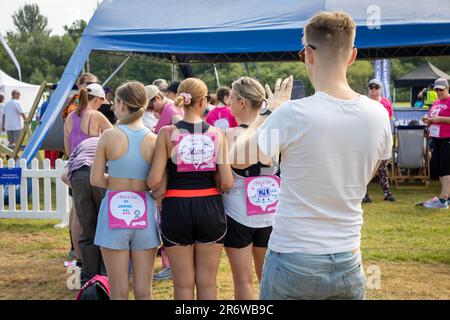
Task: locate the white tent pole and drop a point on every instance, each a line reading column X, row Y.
column 216, row 73
column 175, row 75
column 115, row 71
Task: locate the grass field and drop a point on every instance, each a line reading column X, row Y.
column 410, row 246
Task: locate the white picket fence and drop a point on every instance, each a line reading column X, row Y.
column 54, row 188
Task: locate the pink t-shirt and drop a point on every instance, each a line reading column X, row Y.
column 388, row 105
column 165, row 118
column 440, row 108
column 221, row 117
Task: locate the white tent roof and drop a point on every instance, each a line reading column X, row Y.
column 28, row 91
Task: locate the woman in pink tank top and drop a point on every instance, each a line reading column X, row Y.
column 85, row 121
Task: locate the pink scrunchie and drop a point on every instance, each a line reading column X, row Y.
column 187, row 98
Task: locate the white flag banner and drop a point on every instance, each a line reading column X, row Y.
column 11, row 54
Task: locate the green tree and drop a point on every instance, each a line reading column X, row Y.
column 41, row 57
column 75, row 30
column 28, row 19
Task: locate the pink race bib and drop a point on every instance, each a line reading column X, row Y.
column 127, row 210
column 262, row 194
column 196, row 152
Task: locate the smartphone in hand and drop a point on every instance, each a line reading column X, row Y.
column 298, row 90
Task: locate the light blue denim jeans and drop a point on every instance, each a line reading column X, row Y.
column 298, row 276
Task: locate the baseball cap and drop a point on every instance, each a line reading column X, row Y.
column 376, row 82
column 96, row 90
column 152, row 91
column 441, row 83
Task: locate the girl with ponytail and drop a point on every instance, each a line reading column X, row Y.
column 82, row 123
column 85, row 121
column 191, row 163
column 127, row 221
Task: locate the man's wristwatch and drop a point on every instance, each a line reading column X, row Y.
column 265, row 111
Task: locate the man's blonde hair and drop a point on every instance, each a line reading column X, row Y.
column 331, row 32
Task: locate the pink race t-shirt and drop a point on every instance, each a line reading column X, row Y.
column 221, row 117
column 441, row 108
column 388, row 105
column 165, row 118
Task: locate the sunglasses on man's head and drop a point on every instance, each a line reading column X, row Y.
column 374, row 87
column 301, row 53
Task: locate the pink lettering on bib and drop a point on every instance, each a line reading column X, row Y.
column 262, row 194
column 127, row 210
column 196, row 152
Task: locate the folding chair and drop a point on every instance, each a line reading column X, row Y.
column 411, row 159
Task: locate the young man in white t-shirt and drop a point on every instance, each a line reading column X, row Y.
column 330, row 144
column 12, row 118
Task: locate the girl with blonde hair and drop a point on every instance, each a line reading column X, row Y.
column 193, row 154
column 127, row 225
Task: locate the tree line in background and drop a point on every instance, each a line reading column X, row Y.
column 43, row 56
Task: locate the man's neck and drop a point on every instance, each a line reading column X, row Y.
column 334, row 83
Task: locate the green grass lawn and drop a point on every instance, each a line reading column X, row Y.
column 399, row 231
column 411, row 246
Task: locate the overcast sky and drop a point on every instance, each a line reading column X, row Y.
column 58, row 12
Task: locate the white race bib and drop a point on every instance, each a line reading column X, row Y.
column 435, row 131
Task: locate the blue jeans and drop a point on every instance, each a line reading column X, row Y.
column 298, row 276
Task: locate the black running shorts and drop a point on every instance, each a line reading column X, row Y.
column 187, row 221
column 441, row 150
column 239, row 236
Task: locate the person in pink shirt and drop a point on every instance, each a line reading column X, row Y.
column 438, row 120
column 382, row 173
column 220, row 116
column 168, row 113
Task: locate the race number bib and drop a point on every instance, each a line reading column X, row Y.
column 196, row 152
column 127, row 210
column 262, row 194
column 435, row 131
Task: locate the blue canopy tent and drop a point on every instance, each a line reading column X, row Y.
column 184, row 32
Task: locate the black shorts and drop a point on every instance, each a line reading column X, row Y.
column 186, row 221
column 239, row 236
column 441, row 151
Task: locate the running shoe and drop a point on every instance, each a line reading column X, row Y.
column 389, row 197
column 366, row 199
column 435, row 204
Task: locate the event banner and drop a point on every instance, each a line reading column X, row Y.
column 10, row 176
column 382, row 72
column 404, row 116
